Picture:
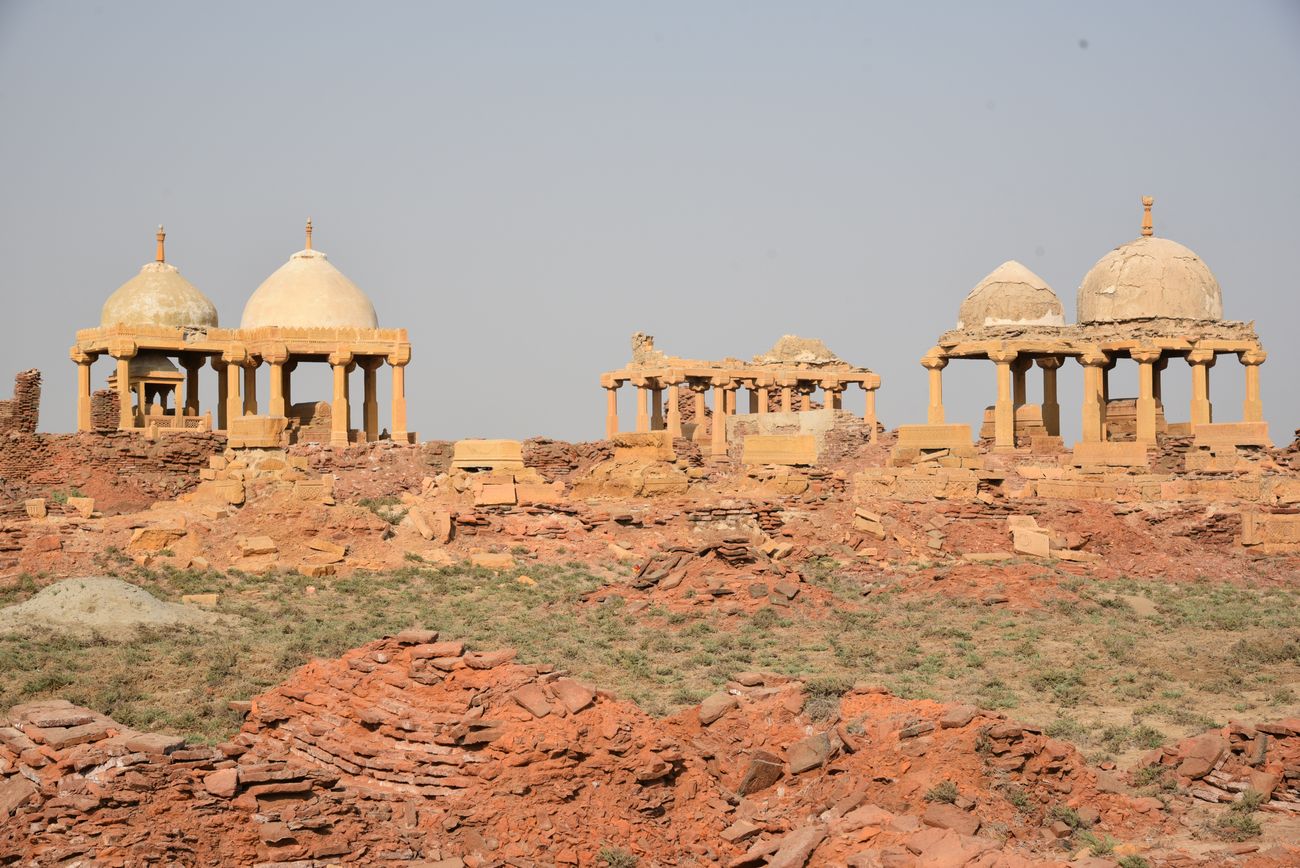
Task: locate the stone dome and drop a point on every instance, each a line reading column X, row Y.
column 1149, row 277
column 1010, row 295
column 309, row 292
column 149, row 364
column 159, row 296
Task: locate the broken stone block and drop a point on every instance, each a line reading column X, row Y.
column 223, row 783
column 153, row 539
column 810, row 753
column 83, row 506
column 764, row 770
column 574, row 696
column 944, row 816
column 325, row 546
column 256, row 545
column 532, row 699
column 35, row 507
column 496, row 495
column 1027, row 541
column 715, row 706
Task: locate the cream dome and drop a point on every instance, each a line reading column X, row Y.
column 1010, row 295
column 159, row 296
column 1149, row 277
column 309, row 292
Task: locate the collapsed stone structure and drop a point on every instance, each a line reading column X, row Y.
column 162, row 330
column 1149, row 300
column 792, row 366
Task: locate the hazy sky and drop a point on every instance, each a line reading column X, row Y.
column 523, row 185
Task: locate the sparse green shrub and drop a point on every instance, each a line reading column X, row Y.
column 617, row 857
column 945, row 792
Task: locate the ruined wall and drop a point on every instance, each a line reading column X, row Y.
column 22, row 412
column 104, row 407
column 120, row 469
column 556, row 459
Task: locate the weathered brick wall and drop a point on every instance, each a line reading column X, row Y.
column 22, row 412
column 120, row 469
column 556, row 459
column 104, row 406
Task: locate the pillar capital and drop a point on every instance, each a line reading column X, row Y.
column 236, row 355
column 1003, row 357
column 275, row 354
column 82, row 357
column 400, row 356
column 340, row 358
column 370, row 363
column 1201, row 357
column 934, row 360
column 1094, row 358
column 1146, row 355
column 1049, row 363
column 832, row 385
column 1253, row 357
column 122, row 348
column 607, row 381
column 699, row 385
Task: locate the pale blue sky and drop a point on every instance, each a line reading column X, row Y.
column 523, row 185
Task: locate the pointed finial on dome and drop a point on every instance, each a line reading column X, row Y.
column 1147, row 229
column 161, row 236
column 309, row 233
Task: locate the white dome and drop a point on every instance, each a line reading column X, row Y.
column 309, row 292
column 159, row 296
column 1010, row 295
column 1149, row 277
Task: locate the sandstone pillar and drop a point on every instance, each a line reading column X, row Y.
column 762, row 399
column 398, row 432
column 701, row 420
column 84, row 361
column 250, row 388
column 370, row 398
column 1051, row 402
column 286, row 386
column 753, row 398
column 657, row 408
column 1004, row 411
column 1146, row 402
column 642, row 417
column 1018, row 370
column 786, row 406
column 611, row 411
column 731, row 399
column 223, row 388
column 234, row 402
column 340, row 416
column 869, row 415
column 124, row 353
column 719, row 432
column 1094, row 411
column 275, row 358
column 191, row 387
column 674, row 411
column 1156, row 370
column 1252, row 409
column 934, row 362
column 1202, row 410
column 805, row 398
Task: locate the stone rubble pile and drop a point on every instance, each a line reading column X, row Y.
column 1220, row 765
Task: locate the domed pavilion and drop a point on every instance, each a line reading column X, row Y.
column 306, row 311
column 1150, row 300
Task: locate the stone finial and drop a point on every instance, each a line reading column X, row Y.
column 160, row 256
column 309, row 233
column 1147, row 229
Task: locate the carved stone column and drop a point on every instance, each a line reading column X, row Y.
column 235, row 358
column 642, row 417
column 869, row 414
column 1004, row 411
column 340, row 414
column 1252, row 409
column 657, row 406
column 701, row 432
column 223, row 389
column 192, row 366
column 1051, row 402
column 805, row 390
column 1018, row 370
column 611, row 410
column 370, row 397
column 84, row 360
column 1202, row 410
column 719, row 432
column 398, row 359
column 1094, row 410
column 287, row 386
column 1146, row 357
column 674, row 410
column 124, row 352
column 934, row 362
column 276, row 357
